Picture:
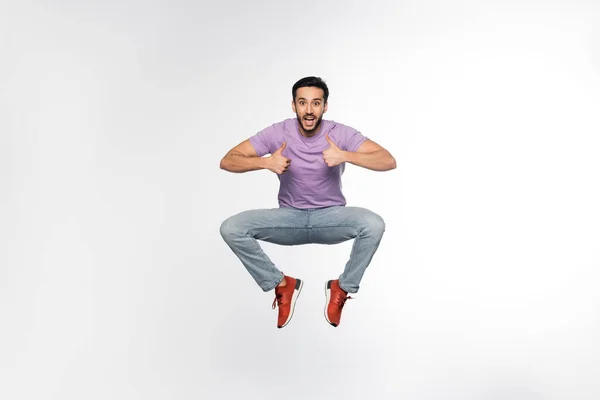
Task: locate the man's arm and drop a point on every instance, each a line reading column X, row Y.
column 372, row 156
column 243, row 158
column 368, row 155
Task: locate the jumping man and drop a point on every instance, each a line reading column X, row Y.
column 308, row 154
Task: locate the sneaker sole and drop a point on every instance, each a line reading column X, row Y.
column 327, row 298
column 297, row 290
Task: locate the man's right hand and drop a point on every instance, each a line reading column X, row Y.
column 277, row 162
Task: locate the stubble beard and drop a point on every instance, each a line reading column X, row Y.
column 314, row 129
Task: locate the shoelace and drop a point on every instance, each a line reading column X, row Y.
column 279, row 300
column 343, row 302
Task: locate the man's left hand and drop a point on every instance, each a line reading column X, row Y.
column 333, row 155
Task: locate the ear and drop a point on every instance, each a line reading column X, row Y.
column 294, row 106
column 325, row 108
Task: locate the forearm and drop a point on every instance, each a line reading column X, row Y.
column 237, row 162
column 380, row 160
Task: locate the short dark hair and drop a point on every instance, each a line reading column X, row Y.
column 311, row 81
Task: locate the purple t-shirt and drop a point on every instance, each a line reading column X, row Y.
column 308, row 182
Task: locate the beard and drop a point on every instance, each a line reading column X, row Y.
column 314, row 128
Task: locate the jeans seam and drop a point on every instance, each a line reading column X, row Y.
column 352, row 251
column 301, row 227
column 308, row 228
column 275, row 227
column 334, row 226
column 260, row 250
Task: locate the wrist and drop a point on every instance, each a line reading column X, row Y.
column 263, row 163
column 348, row 156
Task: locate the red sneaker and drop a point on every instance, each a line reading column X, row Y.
column 336, row 298
column 285, row 297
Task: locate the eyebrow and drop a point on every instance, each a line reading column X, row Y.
column 318, row 98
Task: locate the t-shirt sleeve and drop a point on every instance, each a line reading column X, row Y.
column 264, row 142
column 354, row 139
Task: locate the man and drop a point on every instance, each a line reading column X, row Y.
column 308, row 154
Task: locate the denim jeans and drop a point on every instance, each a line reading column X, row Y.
column 292, row 226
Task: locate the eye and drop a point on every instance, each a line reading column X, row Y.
column 317, row 103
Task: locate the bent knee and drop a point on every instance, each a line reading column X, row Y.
column 228, row 229
column 374, row 224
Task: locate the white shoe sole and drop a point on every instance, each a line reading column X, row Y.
column 327, row 298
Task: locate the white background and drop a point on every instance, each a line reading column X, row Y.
column 115, row 282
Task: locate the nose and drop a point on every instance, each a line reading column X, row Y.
column 309, row 108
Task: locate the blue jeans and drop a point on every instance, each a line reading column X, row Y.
column 292, row 226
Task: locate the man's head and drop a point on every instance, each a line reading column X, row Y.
column 309, row 102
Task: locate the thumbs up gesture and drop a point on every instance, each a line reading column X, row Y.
column 333, row 155
column 277, row 162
